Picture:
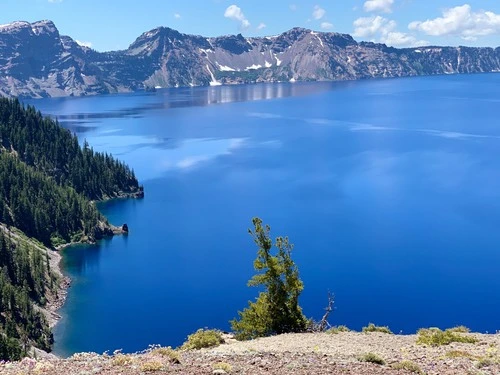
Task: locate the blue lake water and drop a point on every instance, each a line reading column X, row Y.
column 389, row 189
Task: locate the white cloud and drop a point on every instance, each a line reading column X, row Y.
column 366, row 27
column 460, row 21
column 318, row 12
column 261, row 26
column 84, row 44
column 235, row 13
column 383, row 30
column 378, row 6
column 326, row 25
column 293, row 7
column 177, row 16
column 398, row 39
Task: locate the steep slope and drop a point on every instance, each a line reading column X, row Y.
column 26, row 283
column 47, row 182
column 171, row 58
column 48, row 148
column 36, row 61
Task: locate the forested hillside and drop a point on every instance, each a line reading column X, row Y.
column 42, row 209
column 48, row 185
column 25, row 280
column 42, row 144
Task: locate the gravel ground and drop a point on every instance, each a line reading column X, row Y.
column 307, row 353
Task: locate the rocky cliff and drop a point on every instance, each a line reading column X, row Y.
column 36, row 61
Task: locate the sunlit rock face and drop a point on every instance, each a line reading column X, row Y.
column 36, row 61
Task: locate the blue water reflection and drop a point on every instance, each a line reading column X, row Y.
column 388, row 188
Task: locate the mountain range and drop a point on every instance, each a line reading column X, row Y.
column 36, row 61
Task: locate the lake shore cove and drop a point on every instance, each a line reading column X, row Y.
column 298, row 353
column 48, row 188
column 366, row 356
column 55, row 295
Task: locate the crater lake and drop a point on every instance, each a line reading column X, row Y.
column 389, row 189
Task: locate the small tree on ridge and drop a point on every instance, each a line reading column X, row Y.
column 276, row 309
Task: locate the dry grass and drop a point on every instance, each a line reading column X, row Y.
column 122, row 360
column 408, row 366
column 372, row 358
column 485, row 362
column 337, row 329
column 459, row 329
column 373, row 328
column 152, row 366
column 172, row 355
column 436, row 337
column 223, row 366
column 203, row 339
column 460, row 354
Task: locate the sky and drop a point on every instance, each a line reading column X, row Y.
column 114, row 24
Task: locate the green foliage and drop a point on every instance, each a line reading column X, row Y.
column 203, row 339
column 255, row 320
column 46, row 183
column 172, row 355
column 47, row 179
column 373, row 328
column 484, row 362
column 122, row 360
column 460, row 354
column 10, row 349
column 24, row 277
column 372, row 358
column 246, row 76
column 408, row 366
column 276, row 309
column 38, row 206
column 459, row 329
column 224, row 366
column 337, row 329
column 48, row 148
column 152, row 366
column 437, row 337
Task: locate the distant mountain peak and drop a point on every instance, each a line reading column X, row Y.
column 36, row 27
column 14, row 25
column 36, row 61
column 45, row 26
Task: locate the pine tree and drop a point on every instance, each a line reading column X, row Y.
column 276, row 310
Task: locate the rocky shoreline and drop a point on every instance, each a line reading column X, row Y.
column 58, row 298
column 55, row 302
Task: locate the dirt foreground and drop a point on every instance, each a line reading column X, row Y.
column 306, row 353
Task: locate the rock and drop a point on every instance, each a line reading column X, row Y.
column 101, row 231
column 139, row 193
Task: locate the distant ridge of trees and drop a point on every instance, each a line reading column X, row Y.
column 43, row 144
